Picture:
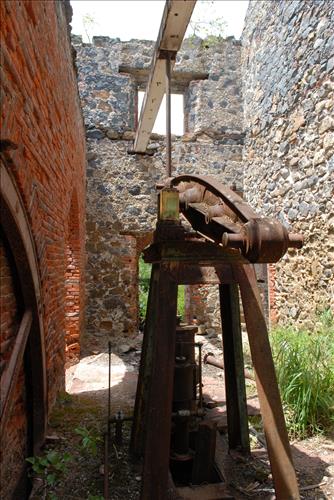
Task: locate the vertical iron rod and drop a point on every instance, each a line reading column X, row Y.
column 106, row 466
column 168, row 119
column 109, row 383
column 107, row 434
column 200, row 375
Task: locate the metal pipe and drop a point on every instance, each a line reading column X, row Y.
column 106, row 467
column 109, row 384
column 168, row 118
column 199, row 345
column 209, row 359
column 107, row 434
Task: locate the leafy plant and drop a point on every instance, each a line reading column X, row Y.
column 206, row 24
column 180, row 300
column 50, row 466
column 305, row 371
column 144, row 272
column 90, row 440
column 89, row 23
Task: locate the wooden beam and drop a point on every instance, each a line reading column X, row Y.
column 11, row 373
column 173, row 26
column 193, row 274
column 236, row 402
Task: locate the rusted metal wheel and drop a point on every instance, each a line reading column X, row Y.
column 222, row 216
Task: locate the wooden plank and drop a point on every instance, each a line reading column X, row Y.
column 202, row 253
column 9, row 378
column 191, row 274
column 173, row 26
column 236, row 404
column 159, row 407
column 284, row 476
column 179, row 81
column 145, row 370
column 203, row 467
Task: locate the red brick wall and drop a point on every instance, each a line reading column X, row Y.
column 73, row 283
column 9, row 317
column 42, row 117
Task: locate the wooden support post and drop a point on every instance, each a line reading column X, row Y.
column 282, row 468
column 236, row 404
column 145, row 370
column 205, row 453
column 159, row 406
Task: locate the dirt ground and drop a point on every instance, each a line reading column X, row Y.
column 84, row 405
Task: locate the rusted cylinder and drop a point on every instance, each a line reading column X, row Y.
column 185, row 337
column 168, row 118
column 192, row 195
column 215, row 211
column 183, row 385
column 263, row 240
column 209, row 359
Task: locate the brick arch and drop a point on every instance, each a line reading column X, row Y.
column 23, row 383
column 73, row 278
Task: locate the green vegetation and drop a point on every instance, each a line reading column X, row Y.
column 305, row 370
column 144, row 286
column 90, row 440
column 207, row 24
column 144, row 273
column 180, row 301
column 50, row 466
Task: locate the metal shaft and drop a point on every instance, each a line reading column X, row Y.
column 106, row 467
column 109, row 384
column 209, row 359
column 168, row 119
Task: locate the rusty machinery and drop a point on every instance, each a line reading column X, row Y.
column 169, row 428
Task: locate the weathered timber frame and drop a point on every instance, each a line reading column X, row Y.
column 173, row 26
column 152, row 418
column 181, row 258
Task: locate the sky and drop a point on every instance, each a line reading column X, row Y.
column 127, row 19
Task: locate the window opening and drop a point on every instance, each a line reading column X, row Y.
column 177, row 118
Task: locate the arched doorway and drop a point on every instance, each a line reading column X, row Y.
column 23, row 380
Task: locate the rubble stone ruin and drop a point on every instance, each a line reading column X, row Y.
column 77, row 209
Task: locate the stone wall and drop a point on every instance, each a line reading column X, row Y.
column 43, row 151
column 288, row 69
column 121, row 194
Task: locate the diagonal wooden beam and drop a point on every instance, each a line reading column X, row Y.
column 11, row 373
column 173, row 26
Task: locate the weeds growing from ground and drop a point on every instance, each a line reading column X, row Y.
column 304, row 363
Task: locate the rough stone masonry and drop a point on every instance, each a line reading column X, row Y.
column 288, row 88
column 285, row 117
column 121, row 193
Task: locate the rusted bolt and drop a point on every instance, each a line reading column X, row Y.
column 295, row 240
